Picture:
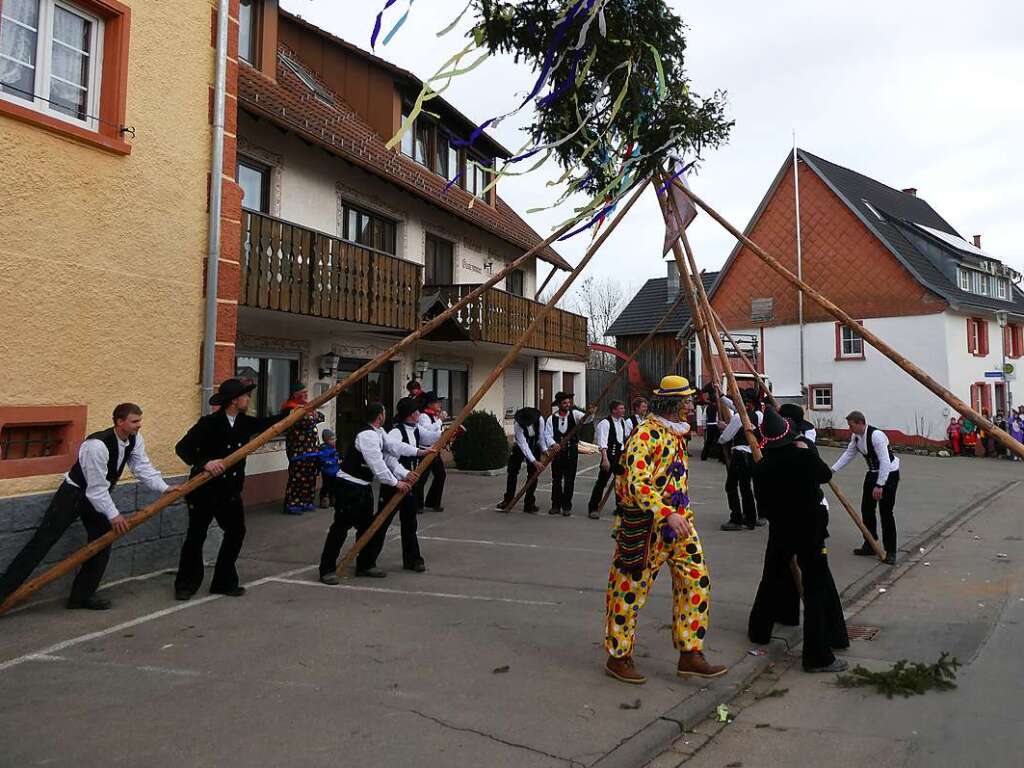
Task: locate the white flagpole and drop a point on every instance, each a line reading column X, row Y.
column 799, row 264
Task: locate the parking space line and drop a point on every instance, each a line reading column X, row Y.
column 417, row 593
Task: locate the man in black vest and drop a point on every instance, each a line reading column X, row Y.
column 640, row 407
column 406, row 431
column 431, row 426
column 85, row 494
column 610, row 435
column 880, row 483
column 372, row 455
column 527, row 449
column 204, row 446
column 738, row 483
column 563, row 467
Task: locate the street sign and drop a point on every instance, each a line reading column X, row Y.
column 993, row 374
column 1008, row 369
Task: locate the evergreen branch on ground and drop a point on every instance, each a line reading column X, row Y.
column 905, row 678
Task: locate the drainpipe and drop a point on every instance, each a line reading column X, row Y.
column 216, row 183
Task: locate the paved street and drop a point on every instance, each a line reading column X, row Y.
column 411, row 670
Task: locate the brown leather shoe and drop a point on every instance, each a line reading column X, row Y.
column 623, row 669
column 693, row 664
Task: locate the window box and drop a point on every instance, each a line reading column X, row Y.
column 819, row 397
column 39, row 440
column 64, row 67
column 849, row 344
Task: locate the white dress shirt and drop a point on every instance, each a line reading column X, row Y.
column 604, row 429
column 859, row 444
column 430, row 431
column 732, row 429
column 563, row 425
column 94, row 459
column 381, row 454
column 523, row 444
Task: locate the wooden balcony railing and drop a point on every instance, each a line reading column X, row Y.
column 501, row 318
column 294, row 269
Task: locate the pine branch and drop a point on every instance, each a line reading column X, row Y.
column 905, row 678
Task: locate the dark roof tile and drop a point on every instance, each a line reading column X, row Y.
column 646, row 309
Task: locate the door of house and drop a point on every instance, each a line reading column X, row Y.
column 376, row 387
column 1000, row 398
column 545, row 392
column 569, row 383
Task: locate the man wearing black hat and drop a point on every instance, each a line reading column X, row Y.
column 204, row 447
column 563, row 467
column 528, row 447
column 610, row 435
column 431, row 427
column 788, row 480
column 738, row 487
column 85, row 494
column 372, row 455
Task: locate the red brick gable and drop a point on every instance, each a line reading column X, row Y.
column 841, row 258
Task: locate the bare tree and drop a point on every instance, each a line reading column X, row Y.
column 600, row 299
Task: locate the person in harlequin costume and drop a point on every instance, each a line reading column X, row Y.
column 656, row 529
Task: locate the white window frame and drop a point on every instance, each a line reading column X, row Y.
column 854, row 340
column 963, row 278
column 1001, row 292
column 813, row 392
column 44, row 63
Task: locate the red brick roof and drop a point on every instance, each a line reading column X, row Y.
column 340, row 129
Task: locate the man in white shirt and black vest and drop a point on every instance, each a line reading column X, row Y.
column 640, row 408
column 528, row 448
column 204, row 447
column 610, row 435
column 85, row 494
column 371, row 456
column 880, row 482
column 431, row 426
column 563, row 467
column 739, row 476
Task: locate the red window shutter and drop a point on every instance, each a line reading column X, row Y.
column 970, row 337
column 986, row 398
column 1018, row 346
column 983, row 338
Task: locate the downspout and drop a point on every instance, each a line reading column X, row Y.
column 216, row 185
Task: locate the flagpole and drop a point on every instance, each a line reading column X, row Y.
column 799, row 265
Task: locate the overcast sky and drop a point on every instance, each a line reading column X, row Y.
column 914, row 93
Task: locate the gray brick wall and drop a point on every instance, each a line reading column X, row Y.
column 152, row 546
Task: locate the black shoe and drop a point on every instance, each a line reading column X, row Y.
column 371, row 573
column 419, row 566
column 594, row 514
column 760, row 522
column 554, row 511
column 532, row 509
column 502, row 506
column 436, row 509
column 731, row 526
column 750, row 526
column 567, row 513
column 890, row 559
column 234, row 592
column 864, row 551
column 183, row 594
column 91, row 603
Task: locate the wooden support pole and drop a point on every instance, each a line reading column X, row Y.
column 138, row 518
column 848, row 320
column 385, row 514
column 854, row 515
column 546, row 460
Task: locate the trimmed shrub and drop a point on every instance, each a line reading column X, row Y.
column 483, row 445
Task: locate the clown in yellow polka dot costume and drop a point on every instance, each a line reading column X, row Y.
column 656, row 528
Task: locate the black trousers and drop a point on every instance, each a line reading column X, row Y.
column 67, row 505
column 515, row 462
column 603, row 476
column 739, row 489
column 885, row 508
column 437, row 471
column 407, row 512
column 353, row 508
column 563, row 478
column 327, row 484
column 229, row 513
column 711, row 446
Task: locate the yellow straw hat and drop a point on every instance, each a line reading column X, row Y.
column 674, row 386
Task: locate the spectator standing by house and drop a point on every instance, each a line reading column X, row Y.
column 954, row 436
column 327, row 461
column 1016, row 429
column 301, row 440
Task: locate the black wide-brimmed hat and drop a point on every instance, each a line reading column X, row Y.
column 776, row 431
column 562, row 396
column 406, row 407
column 229, row 389
column 795, row 413
column 427, row 398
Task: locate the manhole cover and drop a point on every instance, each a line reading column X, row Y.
column 861, row 632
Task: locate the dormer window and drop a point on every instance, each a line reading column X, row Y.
column 247, row 31
column 479, row 176
column 429, row 143
column 982, row 284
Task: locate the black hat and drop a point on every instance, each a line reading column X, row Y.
column 430, row 397
column 405, row 407
column 748, row 395
column 776, row 431
column 527, row 417
column 562, row 396
column 795, row 413
column 229, row 389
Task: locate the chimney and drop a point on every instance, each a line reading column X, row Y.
column 673, row 282
column 910, row 191
column 977, row 241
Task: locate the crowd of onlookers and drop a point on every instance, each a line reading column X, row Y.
column 969, row 439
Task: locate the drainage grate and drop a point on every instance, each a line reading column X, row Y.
column 861, row 632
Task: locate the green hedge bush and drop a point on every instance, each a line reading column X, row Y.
column 483, row 445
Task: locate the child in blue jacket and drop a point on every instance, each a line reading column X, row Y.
column 327, row 455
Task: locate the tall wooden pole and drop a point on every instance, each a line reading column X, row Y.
column 546, row 460
column 385, row 514
column 854, row 515
column 138, row 518
column 848, row 320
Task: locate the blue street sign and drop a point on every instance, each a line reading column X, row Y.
column 993, row 374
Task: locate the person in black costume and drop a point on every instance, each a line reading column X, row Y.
column 787, row 482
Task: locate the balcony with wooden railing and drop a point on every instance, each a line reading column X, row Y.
column 502, row 318
column 294, row 269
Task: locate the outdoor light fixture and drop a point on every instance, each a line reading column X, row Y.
column 420, row 367
column 328, row 365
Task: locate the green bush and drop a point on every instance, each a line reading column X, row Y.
column 483, row 445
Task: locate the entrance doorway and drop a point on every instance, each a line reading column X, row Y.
column 376, row 387
column 545, row 392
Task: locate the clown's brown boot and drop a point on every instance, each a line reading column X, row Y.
column 693, row 664
column 624, row 670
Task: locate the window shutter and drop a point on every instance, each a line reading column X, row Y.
column 970, row 336
column 983, row 337
column 1018, row 341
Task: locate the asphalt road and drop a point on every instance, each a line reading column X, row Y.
column 408, row 670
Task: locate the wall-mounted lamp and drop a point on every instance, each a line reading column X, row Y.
column 420, row 367
column 328, row 365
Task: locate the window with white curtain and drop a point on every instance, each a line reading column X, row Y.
column 50, row 58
